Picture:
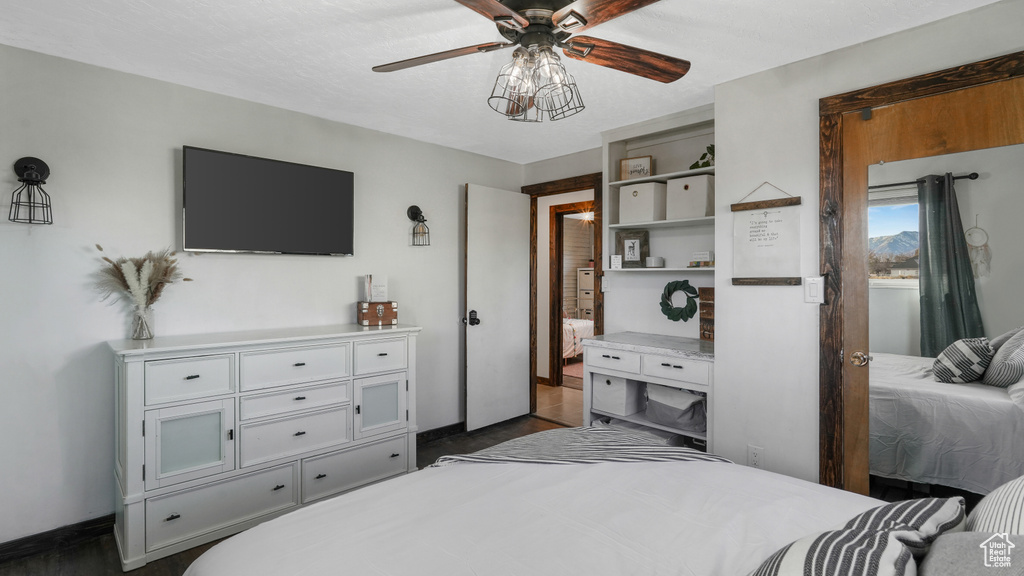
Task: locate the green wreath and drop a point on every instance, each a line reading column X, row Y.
column 676, row 314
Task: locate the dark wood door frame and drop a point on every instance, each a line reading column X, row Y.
column 843, row 430
column 575, row 184
column 556, row 223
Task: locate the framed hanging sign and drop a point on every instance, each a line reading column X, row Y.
column 766, row 242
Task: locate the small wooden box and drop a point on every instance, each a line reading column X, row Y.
column 376, row 313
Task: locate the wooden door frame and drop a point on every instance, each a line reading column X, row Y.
column 843, row 424
column 575, row 184
column 556, row 224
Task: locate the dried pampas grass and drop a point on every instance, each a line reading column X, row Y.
column 142, row 280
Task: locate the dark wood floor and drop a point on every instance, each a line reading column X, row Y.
column 98, row 556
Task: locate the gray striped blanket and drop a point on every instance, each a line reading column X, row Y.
column 586, row 445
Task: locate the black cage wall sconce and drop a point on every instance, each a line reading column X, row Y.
column 420, row 232
column 30, row 204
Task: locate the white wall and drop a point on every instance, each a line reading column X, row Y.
column 113, row 142
column 766, row 367
column 576, row 164
column 544, row 204
column 996, row 201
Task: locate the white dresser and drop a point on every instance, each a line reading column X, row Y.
column 618, row 367
column 216, row 433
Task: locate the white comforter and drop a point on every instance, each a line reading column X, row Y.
column 658, row 518
column 967, row 436
column 574, row 330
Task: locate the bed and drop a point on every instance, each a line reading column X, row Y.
column 966, row 436
column 595, row 501
column 574, row 330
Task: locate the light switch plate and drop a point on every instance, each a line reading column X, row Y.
column 814, row 290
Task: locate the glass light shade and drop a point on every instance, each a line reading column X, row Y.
column 550, row 78
column 420, row 234
column 513, row 89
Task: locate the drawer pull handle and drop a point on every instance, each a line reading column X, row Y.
column 605, row 356
column 297, row 364
column 395, row 455
column 680, row 367
column 300, row 397
column 278, row 487
column 608, row 382
column 172, row 517
column 300, row 433
column 665, row 364
column 192, row 377
column 320, row 476
column 382, row 354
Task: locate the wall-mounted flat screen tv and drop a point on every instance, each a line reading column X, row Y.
column 237, row 203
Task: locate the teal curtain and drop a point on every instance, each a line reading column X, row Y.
column 949, row 303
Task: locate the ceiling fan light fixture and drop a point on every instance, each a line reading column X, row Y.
column 533, row 84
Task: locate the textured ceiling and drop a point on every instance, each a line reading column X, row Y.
column 314, row 56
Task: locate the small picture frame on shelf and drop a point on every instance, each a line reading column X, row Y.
column 616, row 262
column 633, row 246
column 639, row 167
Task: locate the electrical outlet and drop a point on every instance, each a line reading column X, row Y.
column 755, row 456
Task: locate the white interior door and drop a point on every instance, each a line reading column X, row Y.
column 497, row 305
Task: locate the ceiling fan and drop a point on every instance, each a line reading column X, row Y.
column 535, row 83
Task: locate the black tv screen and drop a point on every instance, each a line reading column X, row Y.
column 237, row 203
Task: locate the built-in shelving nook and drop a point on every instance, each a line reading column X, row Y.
column 674, row 142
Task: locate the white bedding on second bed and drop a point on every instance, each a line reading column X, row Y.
column 967, row 436
column 643, row 518
column 574, row 330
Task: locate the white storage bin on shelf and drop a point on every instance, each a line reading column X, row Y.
column 617, row 395
column 644, row 202
column 691, row 197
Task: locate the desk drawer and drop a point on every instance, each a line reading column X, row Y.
column 622, row 360
column 293, row 366
column 674, row 368
column 333, row 473
column 258, row 406
column 265, row 441
column 186, row 378
column 183, row 515
column 380, row 356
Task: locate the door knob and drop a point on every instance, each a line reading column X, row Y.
column 474, row 319
column 860, row 359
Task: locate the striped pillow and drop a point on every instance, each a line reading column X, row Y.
column 1002, row 510
column 963, row 361
column 1007, row 366
column 1004, row 338
column 882, row 541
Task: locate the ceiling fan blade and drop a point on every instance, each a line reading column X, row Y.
column 626, row 58
column 403, row 64
column 583, row 14
column 497, row 13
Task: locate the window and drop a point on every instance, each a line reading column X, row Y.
column 893, row 239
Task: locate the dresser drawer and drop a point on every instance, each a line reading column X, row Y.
column 622, row 360
column 380, row 356
column 674, row 368
column 326, row 475
column 186, row 378
column 265, row 441
column 258, row 406
column 183, row 515
column 271, row 368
